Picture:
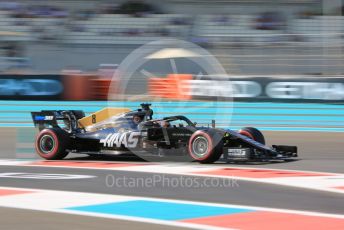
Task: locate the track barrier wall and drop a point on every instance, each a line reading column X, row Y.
column 284, row 88
column 31, row 87
column 78, row 86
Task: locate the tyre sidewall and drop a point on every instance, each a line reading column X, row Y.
column 215, row 145
column 60, row 144
column 210, row 145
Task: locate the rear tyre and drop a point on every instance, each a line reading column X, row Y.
column 253, row 133
column 52, row 143
column 205, row 146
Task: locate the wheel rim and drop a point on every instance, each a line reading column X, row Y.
column 47, row 144
column 200, row 146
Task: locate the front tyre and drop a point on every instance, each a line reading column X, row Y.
column 51, row 144
column 253, row 133
column 205, row 146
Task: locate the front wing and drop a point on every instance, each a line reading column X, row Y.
column 257, row 151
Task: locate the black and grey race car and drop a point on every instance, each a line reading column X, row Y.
column 121, row 131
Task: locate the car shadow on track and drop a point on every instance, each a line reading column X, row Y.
column 133, row 158
column 261, row 162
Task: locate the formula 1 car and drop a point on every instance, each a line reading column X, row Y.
column 119, row 130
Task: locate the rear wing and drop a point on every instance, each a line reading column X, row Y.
column 49, row 118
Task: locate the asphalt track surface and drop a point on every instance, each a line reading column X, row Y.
column 14, row 219
column 318, row 152
column 242, row 193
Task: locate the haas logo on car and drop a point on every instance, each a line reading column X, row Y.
column 128, row 140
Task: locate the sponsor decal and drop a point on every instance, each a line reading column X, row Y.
column 44, row 118
column 305, row 90
column 225, row 88
column 30, row 87
column 127, row 139
column 181, row 134
column 265, row 88
column 238, row 152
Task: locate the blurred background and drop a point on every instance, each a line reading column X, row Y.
column 248, row 36
column 285, row 53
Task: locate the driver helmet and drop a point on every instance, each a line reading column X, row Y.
column 137, row 119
